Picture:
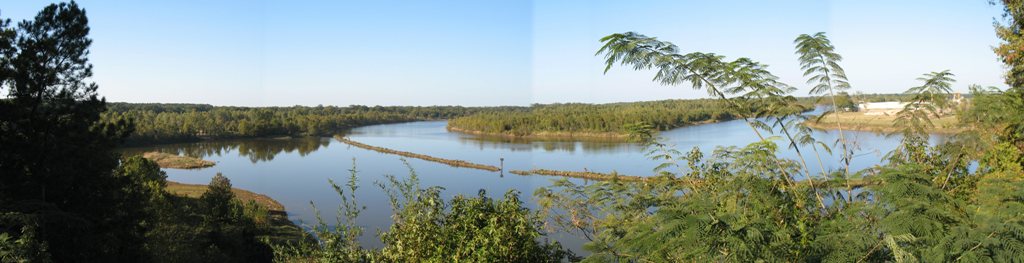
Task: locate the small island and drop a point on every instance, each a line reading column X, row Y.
column 584, row 121
column 167, row 160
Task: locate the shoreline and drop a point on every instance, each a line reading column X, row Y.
column 197, row 190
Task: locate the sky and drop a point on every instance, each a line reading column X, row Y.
column 485, row 53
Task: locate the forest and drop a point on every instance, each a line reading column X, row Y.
column 68, row 195
column 164, row 123
column 592, row 119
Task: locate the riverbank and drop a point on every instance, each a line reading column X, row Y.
column 197, row 190
column 166, row 160
column 282, row 229
column 856, row 121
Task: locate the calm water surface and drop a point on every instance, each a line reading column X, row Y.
column 296, row 171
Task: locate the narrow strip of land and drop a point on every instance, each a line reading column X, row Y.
column 466, row 164
column 450, row 162
column 573, row 174
column 583, row 175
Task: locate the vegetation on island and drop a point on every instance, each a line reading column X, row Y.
column 583, row 121
column 167, row 160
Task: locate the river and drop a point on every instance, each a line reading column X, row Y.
column 295, row 171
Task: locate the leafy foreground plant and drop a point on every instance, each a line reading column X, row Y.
column 428, row 229
column 744, row 204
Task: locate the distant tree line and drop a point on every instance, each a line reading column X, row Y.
column 162, row 123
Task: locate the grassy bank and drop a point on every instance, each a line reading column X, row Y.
column 166, row 160
column 878, row 123
column 197, row 190
column 282, row 230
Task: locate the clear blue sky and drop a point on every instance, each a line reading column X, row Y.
column 266, row 53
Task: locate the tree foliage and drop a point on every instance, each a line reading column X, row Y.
column 59, row 194
column 743, row 204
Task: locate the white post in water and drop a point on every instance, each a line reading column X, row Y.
column 502, row 168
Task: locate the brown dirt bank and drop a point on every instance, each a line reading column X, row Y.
column 856, row 121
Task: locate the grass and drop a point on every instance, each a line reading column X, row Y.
column 879, row 123
column 166, row 160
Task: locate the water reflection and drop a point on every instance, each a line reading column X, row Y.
column 256, row 150
column 549, row 145
column 431, row 130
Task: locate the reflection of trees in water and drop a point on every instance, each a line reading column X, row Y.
column 527, row 145
column 257, row 150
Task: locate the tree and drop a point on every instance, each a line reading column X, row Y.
column 845, row 102
column 218, row 200
column 820, row 63
column 57, row 176
column 229, row 236
column 1011, row 52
